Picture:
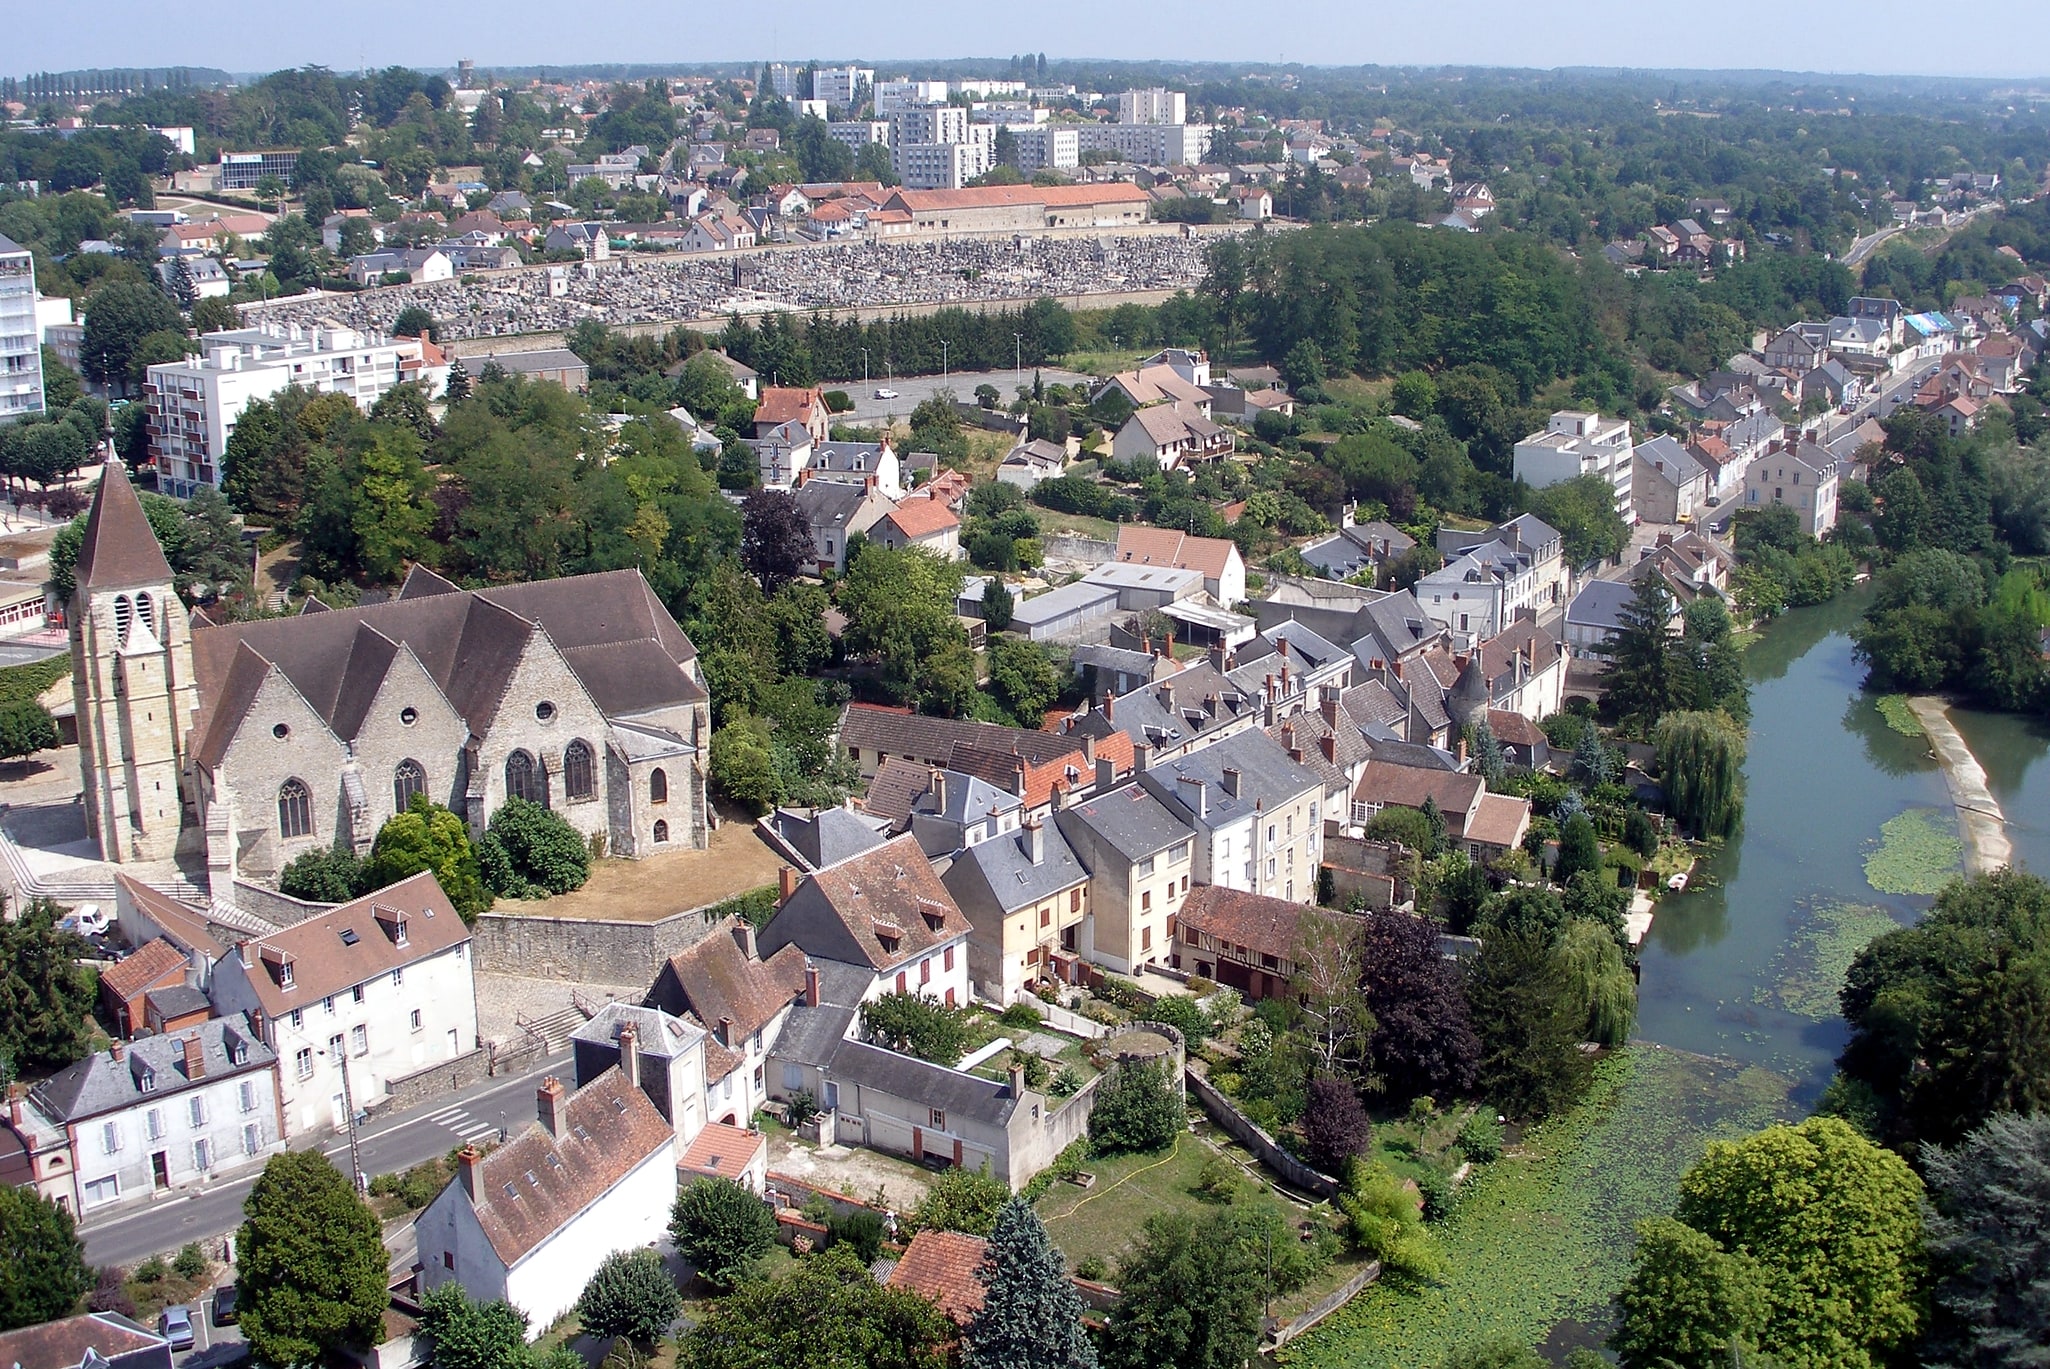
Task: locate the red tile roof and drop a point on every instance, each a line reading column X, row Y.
column 146, row 969
column 940, row 1266
column 1167, row 547
column 916, row 518
column 1264, row 926
column 787, row 404
column 723, row 1150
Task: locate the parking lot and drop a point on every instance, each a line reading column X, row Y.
column 915, row 390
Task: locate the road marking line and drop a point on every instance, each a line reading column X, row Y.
column 446, row 1113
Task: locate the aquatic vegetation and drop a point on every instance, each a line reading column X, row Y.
column 1809, row 970
column 1918, row 853
column 1894, row 709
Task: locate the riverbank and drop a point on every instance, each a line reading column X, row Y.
column 1980, row 818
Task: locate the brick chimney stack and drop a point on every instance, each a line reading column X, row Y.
column 811, row 985
column 466, row 1169
column 551, row 1104
column 630, row 1053
column 1017, row 1080
column 195, row 1057
column 786, row 883
column 744, row 937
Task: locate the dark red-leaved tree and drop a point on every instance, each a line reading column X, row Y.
column 1423, row 1040
column 1335, row 1126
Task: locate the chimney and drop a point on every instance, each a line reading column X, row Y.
column 1142, row 756
column 551, row 1105
column 724, row 1032
column 1462, row 750
column 1057, row 797
column 630, row 1053
column 744, row 937
column 256, row 1022
column 119, row 1050
column 1106, row 773
column 466, row 1169
column 1231, row 780
column 936, row 781
column 1017, row 1080
column 1281, row 645
column 1217, row 657
column 195, row 1057
column 1088, row 749
column 811, row 985
column 1396, row 666
column 786, row 883
column 1288, row 737
column 1168, row 649
column 1193, row 794
column 1032, row 840
column 14, row 1108
column 1165, row 694
column 1328, row 743
column 1329, row 705
column 1108, row 700
column 868, row 482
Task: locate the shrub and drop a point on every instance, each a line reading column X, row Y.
column 962, row 1200
column 1067, row 1083
column 110, row 1293
column 1182, row 1012
column 1220, row 1181
column 861, row 1229
column 630, row 1295
column 530, row 852
column 152, row 1271
column 1036, row 1070
column 1480, row 1140
column 330, row 876
column 191, row 1263
column 1435, row 1186
column 1137, row 1108
column 722, row 1229
column 1383, row 1222
column 1092, row 1268
column 803, row 1107
column 1335, row 1126
column 1201, row 987
column 925, row 1027
column 1021, row 1015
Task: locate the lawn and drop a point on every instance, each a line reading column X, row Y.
column 1540, row 1241
column 1053, row 523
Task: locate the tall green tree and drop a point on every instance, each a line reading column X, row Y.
column 117, row 318
column 722, row 1229
column 1689, row 1303
column 1989, row 1232
column 44, row 1274
column 463, row 1334
column 45, row 994
column 1031, row 1316
column 26, row 727
column 1701, row 765
column 430, row 837
column 828, row 1313
column 1189, row 1296
column 630, row 1295
column 1579, row 850
column 1641, row 685
column 1521, row 994
column 311, row 1263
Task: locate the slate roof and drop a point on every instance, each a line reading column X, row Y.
column 1005, row 869
column 1668, row 461
column 1600, row 604
column 176, row 1000
column 119, row 551
column 101, row 1084
column 351, row 944
column 825, row 836
column 846, row 911
column 941, row 1267
column 1130, row 820
column 1266, row 779
column 534, row 1185
column 613, row 632
column 186, row 928
column 934, row 1086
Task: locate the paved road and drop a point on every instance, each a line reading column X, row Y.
column 388, row 1144
column 19, row 653
column 914, row 390
column 1867, row 245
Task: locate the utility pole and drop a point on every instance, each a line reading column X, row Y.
column 864, row 367
column 357, row 1179
column 1018, row 353
column 943, row 359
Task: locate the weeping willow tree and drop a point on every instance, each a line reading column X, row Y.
column 1701, row 762
column 1602, row 982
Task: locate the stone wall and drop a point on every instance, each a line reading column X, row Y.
column 1265, row 1148
column 583, row 949
column 438, row 1080
column 1325, row 1306
column 1087, row 550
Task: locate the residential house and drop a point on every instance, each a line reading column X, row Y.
column 1800, row 475
column 806, row 408
column 1028, row 463
column 1248, row 942
column 1473, row 199
column 126, row 985
column 917, row 522
column 1027, row 898
column 871, row 732
column 814, row 838
column 1172, row 435
column 530, row 1222
column 1521, row 669
column 719, row 233
column 722, row 1151
column 1575, row 444
column 837, row 511
column 884, row 910
column 723, row 985
column 1176, row 714
column 1355, row 548
column 660, row 1053
column 857, row 463
column 356, row 998
column 1799, row 349
column 1159, row 382
column 1218, row 558
column 91, row 1340
column 589, row 240
column 1140, row 855
column 1595, row 617
column 1667, row 485
column 1483, row 589
column 162, row 1114
column 1482, row 824
column 1257, row 815
column 944, row 1268
column 1253, row 202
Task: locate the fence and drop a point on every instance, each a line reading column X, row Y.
column 1265, row 1148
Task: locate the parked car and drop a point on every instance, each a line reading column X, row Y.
column 884, row 392
column 226, row 1305
column 174, row 1324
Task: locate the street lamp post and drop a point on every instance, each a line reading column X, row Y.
column 943, row 360
column 864, row 368
column 1018, row 353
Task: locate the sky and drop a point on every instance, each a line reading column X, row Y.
column 1994, row 38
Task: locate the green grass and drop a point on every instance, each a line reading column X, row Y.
column 1105, row 1219
column 1898, row 716
column 1104, row 361
column 19, row 682
column 1918, row 853
column 1810, row 968
column 1543, row 1236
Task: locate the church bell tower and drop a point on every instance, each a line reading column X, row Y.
column 132, row 681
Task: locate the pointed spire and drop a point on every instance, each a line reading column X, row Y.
column 120, row 549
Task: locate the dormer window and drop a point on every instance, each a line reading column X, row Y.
column 146, row 1079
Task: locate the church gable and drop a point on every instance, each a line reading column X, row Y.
column 542, row 711
column 409, row 736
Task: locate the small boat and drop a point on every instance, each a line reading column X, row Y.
column 1677, row 882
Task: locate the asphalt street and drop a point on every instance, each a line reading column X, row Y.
column 15, row 653
column 388, row 1144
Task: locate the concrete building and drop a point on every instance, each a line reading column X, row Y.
column 892, row 96
column 856, row 134
column 840, row 87
column 1149, row 144
column 1140, row 856
column 1153, row 106
column 1574, row 444
column 21, row 341
column 194, row 404
column 1258, row 816
column 385, row 982
column 242, row 170
column 146, row 1119
column 1047, row 147
column 1009, row 209
column 1027, row 897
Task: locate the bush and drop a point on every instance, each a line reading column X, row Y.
column 1335, row 1126
column 530, row 852
column 110, row 1294
column 1137, row 1108
column 191, row 1263
column 1435, row 1186
column 1093, row 1268
column 1036, row 1070
column 330, row 876
column 1384, row 1223
column 722, row 1229
column 1021, row 1015
column 861, row 1229
column 1067, row 1083
column 1183, row 1013
column 922, row 1026
column 152, row 1271
column 1220, row 1181
column 1480, row 1140
column 631, row 1295
column 965, row 1200
column 838, row 402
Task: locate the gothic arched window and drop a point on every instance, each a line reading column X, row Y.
column 124, row 614
column 661, row 831
column 407, row 780
column 523, row 779
column 295, row 810
column 146, row 611
column 658, row 785
column 579, row 772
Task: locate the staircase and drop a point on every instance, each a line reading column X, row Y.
column 554, row 1029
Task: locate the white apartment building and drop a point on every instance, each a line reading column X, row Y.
column 837, row 86
column 1575, row 444
column 1044, row 147
column 1256, row 815
column 384, row 982
column 1800, row 475
column 783, row 79
column 194, row 404
column 940, row 166
column 1148, row 144
column 1153, row 106
column 856, row 134
column 891, row 96
column 936, row 124
column 21, row 338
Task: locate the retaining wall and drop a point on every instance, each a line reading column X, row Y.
column 583, row 949
column 1265, row 1148
column 1087, row 550
column 1329, row 1303
column 437, row 1081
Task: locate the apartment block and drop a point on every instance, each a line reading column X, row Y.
column 838, row 86
column 194, row 404
column 1047, row 147
column 891, row 96
column 856, row 134
column 21, row 346
column 1148, row 144
column 1574, row 444
column 1153, row 106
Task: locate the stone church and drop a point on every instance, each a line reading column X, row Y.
column 272, row 738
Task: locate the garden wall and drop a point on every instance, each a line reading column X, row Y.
column 1325, row 1306
column 591, row 950
column 437, row 1080
column 1087, row 550
column 1265, row 1148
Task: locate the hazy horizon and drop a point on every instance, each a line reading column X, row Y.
column 1874, row 38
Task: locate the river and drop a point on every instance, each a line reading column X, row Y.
column 1745, row 964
